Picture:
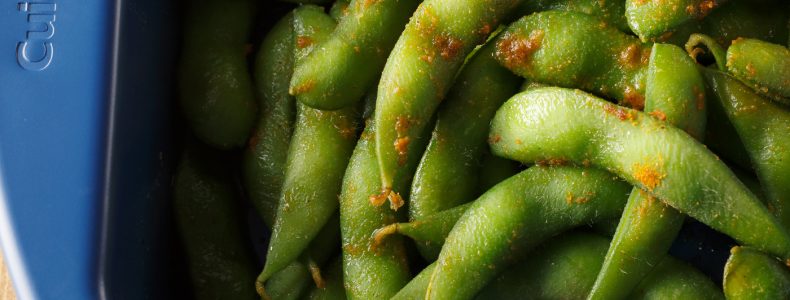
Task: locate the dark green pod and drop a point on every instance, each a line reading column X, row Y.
column 517, row 215
column 210, row 224
column 651, row 19
column 763, row 66
column 449, row 170
column 763, row 127
column 267, row 150
column 215, row 87
column 751, row 274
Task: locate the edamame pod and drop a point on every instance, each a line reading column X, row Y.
column 764, row 128
column 515, row 216
column 651, row 19
column 371, row 270
column 205, row 200
column 215, row 88
column 447, row 175
column 333, row 290
column 763, row 66
column 570, row 125
column 431, row 230
column 750, row 274
column 267, row 150
column 565, row 268
column 576, row 50
column 748, row 19
column 420, row 70
column 321, row 145
column 351, row 59
column 648, row 226
column 613, row 12
column 289, row 283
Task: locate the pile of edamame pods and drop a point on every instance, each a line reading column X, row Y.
column 491, row 149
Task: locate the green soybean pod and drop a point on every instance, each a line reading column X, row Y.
column 751, row 274
column 613, row 12
column 748, row 19
column 416, row 288
column 651, row 19
column 420, row 70
column 763, row 66
column 447, row 175
column 333, row 289
column 576, row 50
column 290, row 283
column 215, row 88
column 675, row 94
column 557, row 123
column 267, row 150
column 517, row 215
column 565, row 268
column 321, row 145
column 371, row 270
column 351, row 60
column 763, row 127
column 206, row 203
column 430, row 231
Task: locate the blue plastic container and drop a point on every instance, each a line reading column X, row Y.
column 86, row 91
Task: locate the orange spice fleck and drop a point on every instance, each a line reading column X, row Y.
column 516, row 50
column 619, row 112
column 396, row 201
column 750, row 69
column 426, row 58
column 700, row 97
column 658, row 115
column 402, row 146
column 569, row 198
column 402, row 125
column 633, row 98
column 303, row 41
column 518, row 141
column 485, row 30
column 552, row 162
column 378, row 199
column 494, row 139
column 448, row 46
column 630, row 56
column 303, row 88
column 648, row 174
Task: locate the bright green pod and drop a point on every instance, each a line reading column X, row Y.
column 517, row 215
column 576, row 50
column 763, row 127
column 675, row 94
column 333, row 285
column 321, row 145
column 215, row 88
column 650, row 19
column 417, row 286
column 267, row 150
column 448, row 173
column 751, row 274
column 763, row 20
column 613, row 12
column 430, row 231
column 570, row 125
column 351, row 60
column 290, row 283
column 419, row 72
column 763, row 66
column 565, row 268
column 371, row 270
column 209, row 218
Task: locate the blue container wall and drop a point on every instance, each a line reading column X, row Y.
column 85, row 103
